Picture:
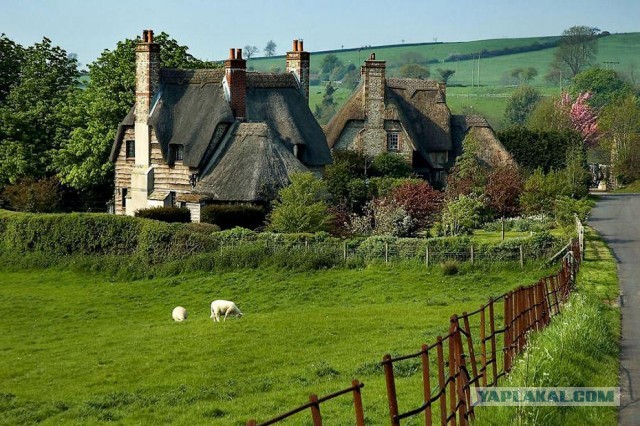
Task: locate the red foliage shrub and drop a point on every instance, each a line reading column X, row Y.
column 419, row 199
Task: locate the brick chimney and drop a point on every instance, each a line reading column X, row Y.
column 236, row 78
column 373, row 75
column 298, row 64
column 147, row 75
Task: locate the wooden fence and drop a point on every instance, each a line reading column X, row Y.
column 478, row 350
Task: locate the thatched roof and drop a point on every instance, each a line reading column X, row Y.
column 418, row 104
column 191, row 107
column 253, row 163
column 490, row 149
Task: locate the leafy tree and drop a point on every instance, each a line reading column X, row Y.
column 534, row 149
column 540, row 192
column 605, row 86
column 419, row 199
column 550, row 114
column 523, row 75
column 521, row 103
column 414, row 71
column 327, row 108
column 270, row 48
column 300, row 206
column 35, row 196
column 469, row 175
column 391, row 165
column 577, row 49
column 620, row 128
column 504, row 186
column 576, row 172
column 445, row 74
column 11, row 56
column 250, row 51
column 30, row 129
column 462, row 214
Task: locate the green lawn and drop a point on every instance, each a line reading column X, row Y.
column 85, row 348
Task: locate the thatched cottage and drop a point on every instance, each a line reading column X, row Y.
column 409, row 117
column 216, row 135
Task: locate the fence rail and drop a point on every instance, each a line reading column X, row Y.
column 478, row 350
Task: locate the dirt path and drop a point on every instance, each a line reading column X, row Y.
column 617, row 218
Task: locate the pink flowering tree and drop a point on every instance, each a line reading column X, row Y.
column 584, row 118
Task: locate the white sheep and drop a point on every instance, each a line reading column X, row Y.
column 179, row 314
column 219, row 307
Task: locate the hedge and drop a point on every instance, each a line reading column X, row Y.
column 228, row 216
column 154, row 242
column 166, row 214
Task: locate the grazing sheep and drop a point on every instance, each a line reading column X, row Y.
column 179, row 314
column 219, row 307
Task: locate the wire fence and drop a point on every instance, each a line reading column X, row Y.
column 478, row 350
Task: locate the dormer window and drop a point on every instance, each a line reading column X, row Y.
column 393, row 141
column 178, row 152
column 130, row 149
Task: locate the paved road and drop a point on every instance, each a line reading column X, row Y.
column 617, row 218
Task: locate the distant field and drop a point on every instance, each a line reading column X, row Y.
column 489, row 99
column 82, row 348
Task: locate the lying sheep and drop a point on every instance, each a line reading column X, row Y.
column 179, row 314
column 219, row 307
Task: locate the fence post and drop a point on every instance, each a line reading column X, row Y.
column 386, row 252
column 252, row 422
column 507, row 332
column 521, row 258
column 344, row 250
column 492, row 330
column 453, row 399
column 441, row 382
column 391, row 390
column 426, row 256
column 483, row 346
column 472, row 254
column 357, row 403
column 315, row 410
column 427, row 384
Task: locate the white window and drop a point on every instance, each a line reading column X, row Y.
column 393, row 141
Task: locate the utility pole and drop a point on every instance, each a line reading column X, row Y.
column 479, row 69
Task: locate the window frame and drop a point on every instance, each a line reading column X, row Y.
column 390, row 140
column 130, row 149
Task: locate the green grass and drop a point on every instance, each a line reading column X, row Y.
column 490, row 98
column 632, row 188
column 579, row 348
column 81, row 347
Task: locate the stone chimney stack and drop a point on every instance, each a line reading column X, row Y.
column 236, row 79
column 147, row 75
column 373, row 75
column 298, row 64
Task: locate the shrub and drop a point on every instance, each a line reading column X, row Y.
column 462, row 215
column 449, row 267
column 391, row 165
column 36, row 196
column 166, row 214
column 228, row 216
column 420, row 201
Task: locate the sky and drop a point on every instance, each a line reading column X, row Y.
column 210, row 28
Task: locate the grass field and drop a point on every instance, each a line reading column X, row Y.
column 84, row 348
column 490, row 96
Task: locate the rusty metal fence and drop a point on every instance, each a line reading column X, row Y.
column 478, row 350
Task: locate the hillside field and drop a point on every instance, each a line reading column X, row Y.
column 81, row 347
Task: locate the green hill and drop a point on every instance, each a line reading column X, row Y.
column 489, row 99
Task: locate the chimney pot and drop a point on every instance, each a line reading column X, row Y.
column 145, row 35
column 150, row 36
column 232, row 53
column 295, row 45
column 372, row 57
column 301, row 49
column 239, row 54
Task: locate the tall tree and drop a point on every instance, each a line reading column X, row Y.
column 30, row 128
column 521, row 103
column 270, row 48
column 11, row 56
column 414, row 71
column 577, row 48
column 605, row 86
column 445, row 74
column 250, row 51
